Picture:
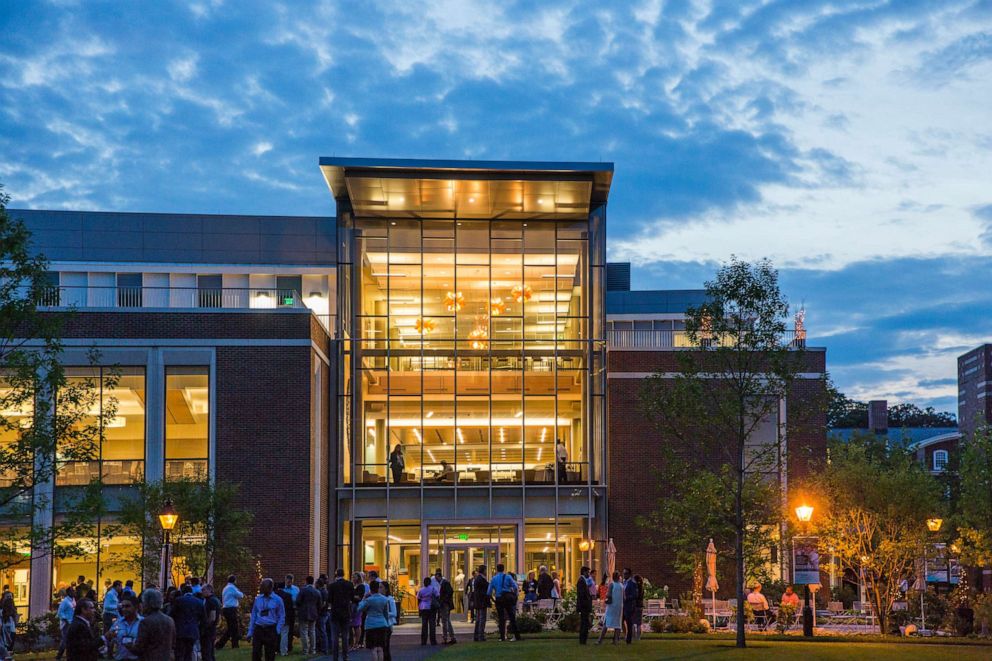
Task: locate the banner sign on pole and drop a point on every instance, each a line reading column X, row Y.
column 805, row 561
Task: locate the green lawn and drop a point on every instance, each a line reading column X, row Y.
column 715, row 649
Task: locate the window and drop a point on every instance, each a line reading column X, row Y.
column 117, row 408
column 129, row 290
column 51, row 293
column 210, row 290
column 187, row 416
column 289, row 289
column 939, row 460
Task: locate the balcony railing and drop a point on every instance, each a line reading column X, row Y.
column 211, row 298
column 670, row 340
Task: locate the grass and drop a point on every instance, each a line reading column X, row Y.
column 719, row 649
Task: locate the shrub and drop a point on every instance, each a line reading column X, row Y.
column 570, row 622
column 983, row 614
column 39, row 631
column 657, row 624
column 845, row 594
column 701, row 626
column 529, row 624
column 679, row 623
column 786, row 618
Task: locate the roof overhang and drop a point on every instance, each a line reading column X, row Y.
column 416, row 188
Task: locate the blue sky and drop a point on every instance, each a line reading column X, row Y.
column 851, row 142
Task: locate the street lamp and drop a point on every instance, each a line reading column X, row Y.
column 168, row 518
column 933, row 525
column 804, row 513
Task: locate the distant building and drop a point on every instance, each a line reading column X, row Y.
column 975, row 389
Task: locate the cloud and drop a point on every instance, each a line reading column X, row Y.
column 182, row 69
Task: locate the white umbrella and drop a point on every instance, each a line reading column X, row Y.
column 611, row 558
column 711, row 583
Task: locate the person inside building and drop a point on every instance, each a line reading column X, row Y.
column 397, row 464
column 446, row 474
column 561, row 457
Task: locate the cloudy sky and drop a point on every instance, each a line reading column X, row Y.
column 851, row 142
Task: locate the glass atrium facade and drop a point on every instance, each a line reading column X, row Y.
column 472, row 325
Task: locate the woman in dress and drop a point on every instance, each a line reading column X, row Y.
column 556, row 586
column 358, row 580
column 604, row 587
column 427, row 603
column 530, row 591
column 377, row 620
column 613, row 618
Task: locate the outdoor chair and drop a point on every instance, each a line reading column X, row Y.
column 654, row 608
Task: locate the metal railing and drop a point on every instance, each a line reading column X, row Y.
column 209, row 298
column 677, row 339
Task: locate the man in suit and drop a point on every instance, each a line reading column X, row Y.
column 629, row 603
column 157, row 631
column 81, row 643
column 480, row 603
column 308, row 610
column 340, row 593
column 583, row 605
column 189, row 614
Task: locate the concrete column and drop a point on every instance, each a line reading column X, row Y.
column 154, row 416
column 43, row 517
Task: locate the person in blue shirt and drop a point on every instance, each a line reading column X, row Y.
column 377, row 620
column 503, row 588
column 268, row 617
column 66, row 613
column 110, row 601
column 124, row 631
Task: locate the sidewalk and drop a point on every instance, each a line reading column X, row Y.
column 406, row 641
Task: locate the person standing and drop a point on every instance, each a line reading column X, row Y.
column 629, row 603
column 638, row 606
column 480, row 603
column 323, row 614
column 188, row 613
column 394, row 619
column 268, row 617
column 561, row 455
column 358, row 580
column 458, row 582
column 446, row 604
column 110, row 601
column 467, row 596
column 504, row 590
column 66, row 613
column 427, row 605
column 289, row 608
column 545, row 585
column 157, row 631
column 397, row 464
column 583, row 604
column 231, row 603
column 530, row 590
column 211, row 617
column 307, row 611
column 8, row 615
column 376, row 610
column 124, row 631
column 613, row 618
column 340, row 595
column 291, row 587
column 82, row 644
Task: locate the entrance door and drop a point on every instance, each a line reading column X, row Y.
column 460, row 560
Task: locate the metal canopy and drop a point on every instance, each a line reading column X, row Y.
column 406, row 188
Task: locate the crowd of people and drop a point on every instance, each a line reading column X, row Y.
column 332, row 616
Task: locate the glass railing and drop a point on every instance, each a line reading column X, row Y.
column 434, row 474
column 679, row 339
column 186, row 469
column 210, row 298
column 110, row 471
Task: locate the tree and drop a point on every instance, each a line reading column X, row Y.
column 212, row 533
column 911, row 415
column 873, row 499
column 46, row 419
column 974, row 503
column 844, row 412
column 726, row 394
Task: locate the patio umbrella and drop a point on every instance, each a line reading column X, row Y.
column 711, row 583
column 611, row 558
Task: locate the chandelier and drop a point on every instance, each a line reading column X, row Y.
column 497, row 307
column 521, row 293
column 454, row 301
column 424, row 326
column 479, row 338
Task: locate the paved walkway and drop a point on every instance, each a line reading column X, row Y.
column 406, row 645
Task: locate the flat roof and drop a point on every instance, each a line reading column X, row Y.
column 445, row 188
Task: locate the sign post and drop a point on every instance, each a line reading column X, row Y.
column 806, row 572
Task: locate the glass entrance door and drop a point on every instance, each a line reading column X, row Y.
column 460, row 560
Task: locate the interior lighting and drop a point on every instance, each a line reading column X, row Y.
column 454, row 301
column 461, row 439
column 471, row 199
column 518, row 414
column 521, row 293
column 430, row 414
column 479, row 338
column 416, row 432
column 497, row 306
column 425, row 325
column 388, row 274
column 116, row 422
column 540, row 200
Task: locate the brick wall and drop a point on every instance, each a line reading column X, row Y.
column 634, row 455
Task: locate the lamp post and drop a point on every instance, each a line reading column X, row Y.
column 933, row 525
column 168, row 518
column 804, row 513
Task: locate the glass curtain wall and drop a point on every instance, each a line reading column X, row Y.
column 187, row 418
column 473, row 351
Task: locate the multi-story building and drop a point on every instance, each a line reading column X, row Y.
column 453, row 312
column 975, row 389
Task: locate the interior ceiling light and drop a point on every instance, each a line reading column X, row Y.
column 479, row 338
column 497, row 306
column 521, row 293
column 425, row 325
column 454, row 301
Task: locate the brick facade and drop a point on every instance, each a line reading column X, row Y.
column 975, row 389
column 634, row 456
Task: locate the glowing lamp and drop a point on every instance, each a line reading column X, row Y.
column 479, row 338
column 934, row 524
column 168, row 517
column 454, row 301
column 804, row 513
column 521, row 293
column 424, row 326
column 586, row 545
column 497, row 307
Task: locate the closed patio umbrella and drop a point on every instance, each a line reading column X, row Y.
column 611, row 558
column 711, row 583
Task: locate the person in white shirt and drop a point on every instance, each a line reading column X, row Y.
column 231, row 598
column 759, row 605
column 561, row 455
